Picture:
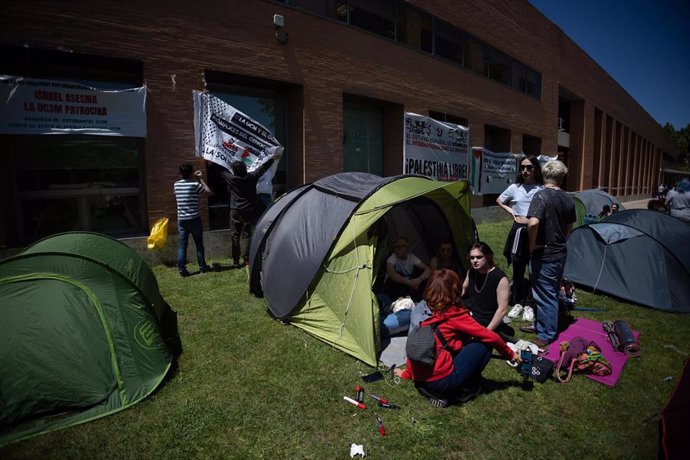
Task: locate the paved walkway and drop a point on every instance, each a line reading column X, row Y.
column 638, row 204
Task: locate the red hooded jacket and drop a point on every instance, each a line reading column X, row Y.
column 457, row 326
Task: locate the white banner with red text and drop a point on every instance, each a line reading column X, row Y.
column 40, row 106
column 435, row 149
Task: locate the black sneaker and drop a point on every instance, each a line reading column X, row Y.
column 184, row 273
column 205, row 269
column 434, row 400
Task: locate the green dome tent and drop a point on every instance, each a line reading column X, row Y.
column 319, row 252
column 84, row 333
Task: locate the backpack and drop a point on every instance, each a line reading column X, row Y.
column 583, row 356
column 421, row 345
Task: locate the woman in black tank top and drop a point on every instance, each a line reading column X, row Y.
column 486, row 290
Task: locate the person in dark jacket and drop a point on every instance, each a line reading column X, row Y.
column 245, row 206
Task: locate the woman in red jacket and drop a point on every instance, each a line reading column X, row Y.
column 456, row 373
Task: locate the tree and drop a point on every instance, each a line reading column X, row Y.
column 682, row 140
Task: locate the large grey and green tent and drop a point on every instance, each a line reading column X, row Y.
column 318, row 254
column 84, row 332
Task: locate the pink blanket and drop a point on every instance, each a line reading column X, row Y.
column 594, row 331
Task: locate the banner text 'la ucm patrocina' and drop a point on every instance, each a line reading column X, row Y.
column 224, row 135
column 435, row 149
column 40, row 106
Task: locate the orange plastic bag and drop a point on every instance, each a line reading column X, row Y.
column 159, row 234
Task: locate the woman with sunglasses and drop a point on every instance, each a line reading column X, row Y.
column 515, row 200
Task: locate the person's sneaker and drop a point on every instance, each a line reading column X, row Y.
column 515, row 311
column 434, row 400
column 528, row 314
column 529, row 328
column 184, row 273
column 205, row 269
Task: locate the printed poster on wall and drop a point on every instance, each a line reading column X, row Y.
column 435, row 149
column 223, row 135
column 40, row 106
column 492, row 172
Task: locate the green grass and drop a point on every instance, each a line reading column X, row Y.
column 248, row 386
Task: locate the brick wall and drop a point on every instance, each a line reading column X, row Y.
column 322, row 61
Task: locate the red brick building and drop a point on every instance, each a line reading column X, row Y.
column 332, row 82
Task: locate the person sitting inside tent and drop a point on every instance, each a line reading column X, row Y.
column 486, row 291
column 405, row 273
column 605, row 212
column 456, row 373
column 445, row 258
column 614, row 208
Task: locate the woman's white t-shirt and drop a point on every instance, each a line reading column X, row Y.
column 519, row 196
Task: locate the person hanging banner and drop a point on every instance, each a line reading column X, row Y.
column 40, row 106
column 223, row 135
column 435, row 149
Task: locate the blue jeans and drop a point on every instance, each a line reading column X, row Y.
column 545, row 278
column 397, row 322
column 196, row 229
column 468, row 365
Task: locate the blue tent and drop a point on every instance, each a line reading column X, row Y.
column 638, row 255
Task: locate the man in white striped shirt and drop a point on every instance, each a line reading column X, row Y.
column 187, row 193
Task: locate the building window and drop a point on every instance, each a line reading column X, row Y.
column 71, row 182
column 66, row 183
column 474, row 55
column 531, row 145
column 400, row 21
column 448, row 118
column 363, row 139
column 377, row 16
column 324, row 8
column 498, row 66
column 414, row 28
column 448, row 42
column 497, row 139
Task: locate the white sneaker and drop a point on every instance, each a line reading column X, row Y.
column 515, row 311
column 528, row 314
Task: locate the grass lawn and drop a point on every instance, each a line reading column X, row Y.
column 248, row 386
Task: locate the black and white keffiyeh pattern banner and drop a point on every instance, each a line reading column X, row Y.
column 223, row 135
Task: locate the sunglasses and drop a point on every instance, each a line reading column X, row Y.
column 526, row 167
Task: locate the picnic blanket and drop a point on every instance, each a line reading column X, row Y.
column 592, row 330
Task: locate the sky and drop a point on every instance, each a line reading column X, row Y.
column 643, row 44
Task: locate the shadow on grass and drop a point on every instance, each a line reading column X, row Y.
column 489, row 386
